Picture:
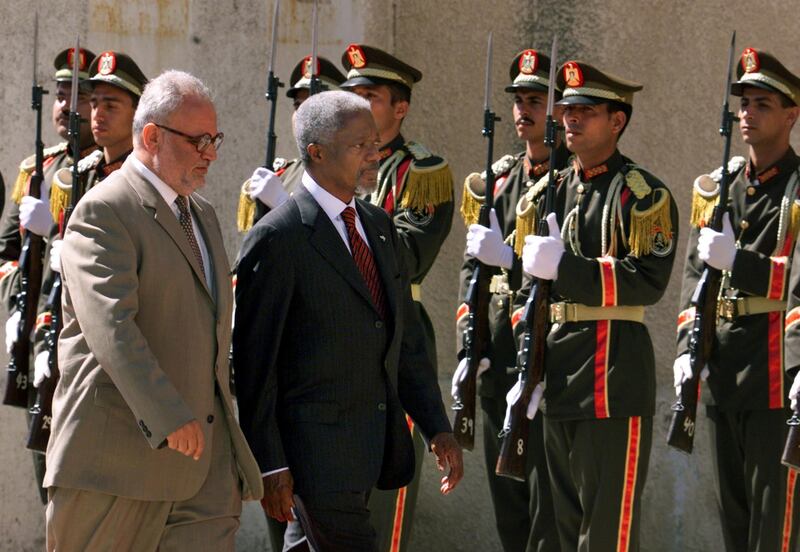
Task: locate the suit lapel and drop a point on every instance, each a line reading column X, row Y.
column 207, row 222
column 328, row 242
column 164, row 216
column 380, row 244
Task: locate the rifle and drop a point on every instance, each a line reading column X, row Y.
column 476, row 336
column 791, row 452
column 705, row 296
column 42, row 410
column 513, row 456
column 30, row 262
column 314, row 87
column 273, row 83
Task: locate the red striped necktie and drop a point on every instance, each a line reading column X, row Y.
column 365, row 262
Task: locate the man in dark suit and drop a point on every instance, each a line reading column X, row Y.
column 327, row 348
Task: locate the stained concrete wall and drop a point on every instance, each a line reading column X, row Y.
column 676, row 49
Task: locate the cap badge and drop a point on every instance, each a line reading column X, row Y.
column 528, row 62
column 107, row 64
column 750, row 62
column 71, row 59
column 356, row 56
column 307, row 71
column 573, row 76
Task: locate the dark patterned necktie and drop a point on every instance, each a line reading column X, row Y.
column 365, row 263
column 186, row 223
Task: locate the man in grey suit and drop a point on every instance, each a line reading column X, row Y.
column 327, row 349
column 145, row 452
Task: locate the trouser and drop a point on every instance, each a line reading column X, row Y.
column 90, row 521
column 340, row 523
column 756, row 494
column 392, row 512
column 597, row 474
column 523, row 511
column 38, row 466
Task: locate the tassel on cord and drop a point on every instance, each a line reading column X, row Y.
column 472, row 199
column 60, row 192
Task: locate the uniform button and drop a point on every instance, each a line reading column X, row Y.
column 378, row 324
column 210, row 419
column 581, row 189
column 381, row 406
column 744, row 224
column 500, row 303
column 751, row 190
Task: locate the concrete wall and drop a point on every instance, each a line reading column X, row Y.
column 676, row 49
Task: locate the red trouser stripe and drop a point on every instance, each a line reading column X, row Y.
column 601, row 369
column 777, row 277
column 775, row 358
column 788, row 513
column 608, row 280
column 629, row 488
column 400, row 507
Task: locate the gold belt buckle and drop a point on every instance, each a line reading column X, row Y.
column 558, row 313
column 499, row 284
column 727, row 309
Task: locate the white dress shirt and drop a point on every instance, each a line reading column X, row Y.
column 333, row 207
column 169, row 196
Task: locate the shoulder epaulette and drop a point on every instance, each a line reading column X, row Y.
column 651, row 217
column 61, row 187
column 428, row 182
column 705, row 191
column 502, row 165
column 526, row 211
column 26, row 169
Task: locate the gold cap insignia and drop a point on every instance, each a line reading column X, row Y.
column 356, row 56
column 573, row 76
column 307, row 71
column 107, row 64
column 750, row 62
column 528, row 62
column 71, row 58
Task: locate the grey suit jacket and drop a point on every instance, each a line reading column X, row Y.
column 143, row 345
column 321, row 380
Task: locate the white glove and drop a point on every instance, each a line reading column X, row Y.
column 541, row 255
column 266, row 187
column 718, row 249
column 794, row 390
column 41, row 368
column 513, row 396
column 486, row 244
column 55, row 255
column 34, row 216
column 461, row 373
column 12, row 330
column 682, row 371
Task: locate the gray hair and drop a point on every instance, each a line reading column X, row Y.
column 322, row 115
column 164, row 95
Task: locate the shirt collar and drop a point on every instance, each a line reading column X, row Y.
column 333, row 206
column 163, row 189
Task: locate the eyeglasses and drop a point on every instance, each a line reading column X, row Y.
column 200, row 142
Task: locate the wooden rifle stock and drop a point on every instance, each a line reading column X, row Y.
column 513, row 456
column 42, row 410
column 701, row 340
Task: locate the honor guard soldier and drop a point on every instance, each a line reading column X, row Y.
column 747, row 403
column 32, row 214
column 613, row 257
column 416, row 188
column 273, row 187
column 116, row 85
column 523, row 510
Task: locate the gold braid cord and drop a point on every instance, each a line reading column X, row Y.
column 246, row 211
